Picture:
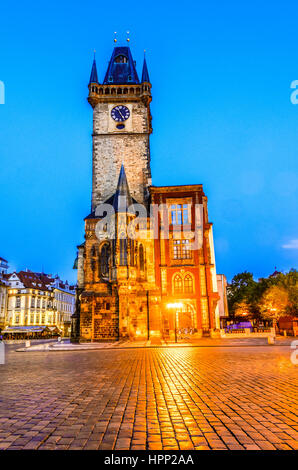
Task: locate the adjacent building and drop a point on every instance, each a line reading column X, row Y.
column 3, row 291
column 147, row 265
column 3, row 266
column 35, row 299
column 3, row 302
column 223, row 299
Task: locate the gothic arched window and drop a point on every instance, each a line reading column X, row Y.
column 141, row 258
column 177, row 284
column 188, row 283
column 104, row 260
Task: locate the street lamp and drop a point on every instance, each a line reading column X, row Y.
column 176, row 306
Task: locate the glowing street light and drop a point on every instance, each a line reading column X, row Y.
column 176, row 306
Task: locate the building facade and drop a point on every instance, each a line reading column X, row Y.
column 223, row 310
column 3, row 302
column 35, row 299
column 3, row 266
column 147, row 265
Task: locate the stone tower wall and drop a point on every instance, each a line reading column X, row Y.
column 111, row 148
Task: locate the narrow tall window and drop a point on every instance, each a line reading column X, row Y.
column 188, row 284
column 123, row 252
column 18, row 302
column 104, row 260
column 177, row 285
column 141, row 258
column 132, row 252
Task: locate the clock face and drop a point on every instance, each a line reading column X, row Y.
column 120, row 113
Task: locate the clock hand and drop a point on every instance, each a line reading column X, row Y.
column 120, row 113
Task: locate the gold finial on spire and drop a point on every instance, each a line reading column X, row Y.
column 115, row 38
column 127, row 39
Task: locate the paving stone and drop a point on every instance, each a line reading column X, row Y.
column 159, row 398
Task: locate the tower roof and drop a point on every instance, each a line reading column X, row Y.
column 93, row 75
column 121, row 68
column 145, row 73
column 122, row 198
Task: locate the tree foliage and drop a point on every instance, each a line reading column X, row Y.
column 255, row 297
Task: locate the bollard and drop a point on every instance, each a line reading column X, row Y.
column 271, row 339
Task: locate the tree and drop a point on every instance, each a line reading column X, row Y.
column 242, row 309
column 289, row 282
column 240, row 291
column 274, row 303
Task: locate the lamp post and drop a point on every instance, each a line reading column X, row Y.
column 176, row 306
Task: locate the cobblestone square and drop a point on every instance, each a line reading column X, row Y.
column 154, row 398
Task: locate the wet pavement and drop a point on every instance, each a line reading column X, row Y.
column 150, row 398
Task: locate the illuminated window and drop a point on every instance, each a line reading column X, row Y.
column 178, row 287
column 181, row 249
column 188, row 283
column 18, row 302
column 179, row 214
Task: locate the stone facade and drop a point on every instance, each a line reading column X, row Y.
column 113, row 147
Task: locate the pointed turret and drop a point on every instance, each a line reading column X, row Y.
column 121, row 68
column 145, row 73
column 93, row 75
column 122, row 198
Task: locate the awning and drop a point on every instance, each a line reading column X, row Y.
column 26, row 329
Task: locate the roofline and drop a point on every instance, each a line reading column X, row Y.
column 178, row 187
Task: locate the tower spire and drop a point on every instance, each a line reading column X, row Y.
column 145, row 73
column 122, row 198
column 93, row 75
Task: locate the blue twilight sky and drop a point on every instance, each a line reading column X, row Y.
column 222, row 116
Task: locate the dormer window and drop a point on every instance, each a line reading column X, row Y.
column 110, row 78
column 121, row 59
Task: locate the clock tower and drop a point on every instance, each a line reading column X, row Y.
column 121, row 127
column 126, row 284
